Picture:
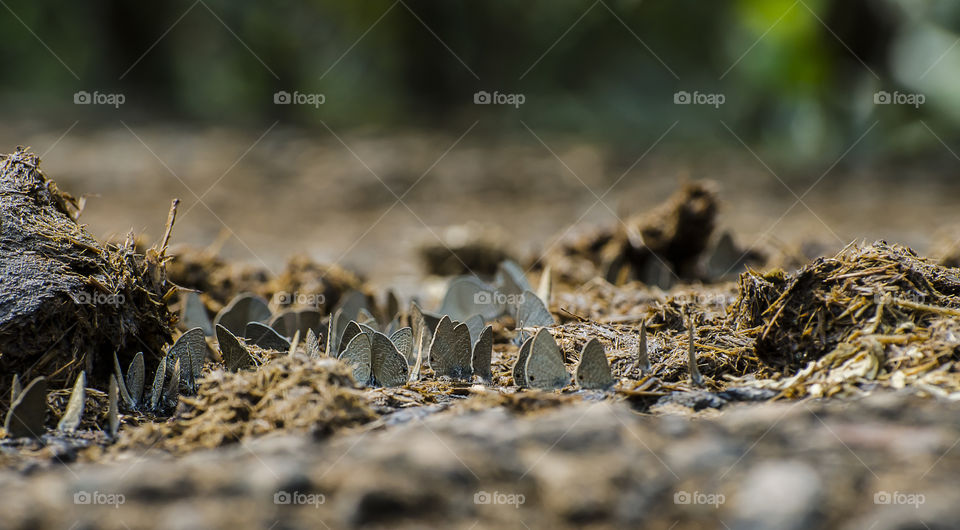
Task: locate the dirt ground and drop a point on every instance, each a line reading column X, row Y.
column 758, row 445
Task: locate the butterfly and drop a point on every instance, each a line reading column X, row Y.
column 193, row 314
column 593, row 371
column 191, row 350
column 235, row 354
column 28, row 412
column 467, row 296
column 358, row 355
column 264, row 336
column 544, row 367
column 74, row 412
column 531, row 311
column 450, row 350
column 389, row 365
column 482, row 354
column 244, row 308
column 520, row 366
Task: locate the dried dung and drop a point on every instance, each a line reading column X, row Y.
column 68, row 301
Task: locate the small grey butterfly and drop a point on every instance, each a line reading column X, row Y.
column 520, row 366
column 312, row 345
column 351, row 303
column 545, row 289
column 127, row 399
column 643, row 357
column 134, row 380
column 235, row 354
column 156, row 389
column 193, row 314
column 482, row 354
column 403, row 340
column 695, row 376
column 475, row 325
column 544, row 368
column 28, row 412
column 510, row 278
column 533, row 312
column 191, row 350
column 351, row 330
column 389, row 366
column 264, row 336
column 74, row 413
column 335, row 329
column 366, row 318
column 172, row 392
column 593, row 371
column 450, row 350
column 358, row 355
column 113, row 409
column 467, row 296
column 246, row 307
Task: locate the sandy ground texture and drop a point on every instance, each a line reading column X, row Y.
column 884, row 462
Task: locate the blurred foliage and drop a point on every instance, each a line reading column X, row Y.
column 799, row 77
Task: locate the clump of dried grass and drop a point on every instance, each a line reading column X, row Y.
column 288, row 393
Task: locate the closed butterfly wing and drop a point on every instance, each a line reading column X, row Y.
column 545, row 368
column 403, row 340
column 482, row 354
column 190, row 349
column 244, row 308
column 510, row 278
column 467, row 296
column 156, row 389
column 265, row 337
column 593, row 370
column 113, row 408
column 389, row 366
column 475, row 324
column 533, row 312
column 74, row 412
column 358, row 355
column 351, row 303
column 520, row 366
column 28, row 412
column 312, row 345
column 334, row 330
column 284, row 323
column 235, row 355
column 193, row 314
column 134, row 380
column 351, row 330
column 450, row 350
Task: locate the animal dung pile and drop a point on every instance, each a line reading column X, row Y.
column 68, row 301
column 873, row 314
column 287, row 393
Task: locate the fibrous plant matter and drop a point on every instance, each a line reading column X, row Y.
column 876, row 289
column 288, row 393
column 68, row 301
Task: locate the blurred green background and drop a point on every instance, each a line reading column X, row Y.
column 798, row 77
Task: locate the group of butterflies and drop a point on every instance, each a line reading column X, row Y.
column 456, row 342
